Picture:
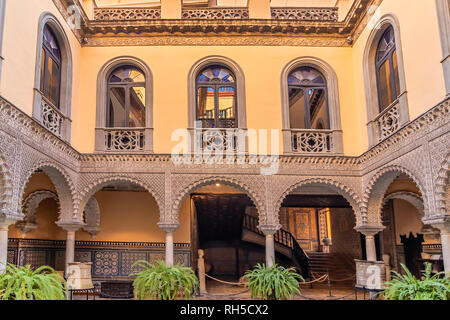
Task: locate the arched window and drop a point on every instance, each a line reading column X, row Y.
column 308, row 99
column 126, row 98
column 387, row 69
column 216, row 97
column 124, row 121
column 384, row 79
column 51, row 67
column 53, row 77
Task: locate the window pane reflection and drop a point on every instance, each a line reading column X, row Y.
column 385, row 85
column 226, row 102
column 117, row 113
column 318, row 109
column 206, row 103
column 137, row 107
column 297, row 103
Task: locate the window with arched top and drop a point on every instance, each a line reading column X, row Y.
column 216, row 97
column 310, row 105
column 126, row 93
column 124, row 107
column 308, row 101
column 384, row 78
column 51, row 67
column 386, row 64
column 53, row 78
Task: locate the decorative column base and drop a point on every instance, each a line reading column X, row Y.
column 169, row 229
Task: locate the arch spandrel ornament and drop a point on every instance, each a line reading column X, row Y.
column 183, row 185
column 342, row 188
column 30, row 206
column 92, row 183
column 62, row 181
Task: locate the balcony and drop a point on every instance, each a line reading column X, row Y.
column 313, row 142
column 214, row 13
column 388, row 122
column 50, row 117
column 219, row 141
column 123, row 140
column 305, row 14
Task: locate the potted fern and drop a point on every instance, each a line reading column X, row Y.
column 273, row 283
column 408, row 287
column 162, row 282
column 24, row 283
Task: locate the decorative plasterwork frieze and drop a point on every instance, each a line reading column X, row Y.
column 308, row 29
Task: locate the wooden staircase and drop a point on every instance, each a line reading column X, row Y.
column 338, row 265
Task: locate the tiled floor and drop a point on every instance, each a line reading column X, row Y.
column 218, row 291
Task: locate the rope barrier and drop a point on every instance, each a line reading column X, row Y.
column 225, row 282
column 321, row 279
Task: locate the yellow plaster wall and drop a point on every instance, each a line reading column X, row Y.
column 19, row 51
column 422, row 57
column 262, row 67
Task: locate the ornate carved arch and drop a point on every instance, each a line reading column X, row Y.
column 62, row 182
column 6, row 189
column 338, row 187
column 88, row 192
column 411, row 197
column 31, row 204
column 442, row 183
column 375, row 192
column 257, row 201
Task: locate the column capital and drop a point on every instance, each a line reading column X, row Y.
column 439, row 222
column 8, row 217
column 70, row 226
column 169, row 227
column 269, row 229
column 369, row 231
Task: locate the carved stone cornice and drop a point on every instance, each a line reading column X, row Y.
column 242, row 31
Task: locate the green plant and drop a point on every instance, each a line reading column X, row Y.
column 408, row 287
column 24, row 283
column 273, row 283
column 163, row 282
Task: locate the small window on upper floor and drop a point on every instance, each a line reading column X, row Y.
column 386, row 65
column 51, row 67
column 126, row 98
column 216, row 97
column 308, row 99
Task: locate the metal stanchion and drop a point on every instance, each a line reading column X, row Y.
column 329, row 284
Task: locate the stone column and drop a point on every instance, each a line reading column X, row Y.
column 269, row 232
column 3, row 246
column 169, row 229
column 70, row 242
column 444, row 227
column 370, row 232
